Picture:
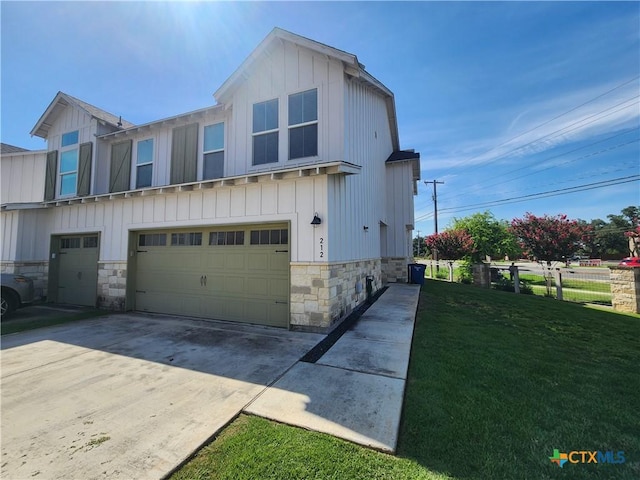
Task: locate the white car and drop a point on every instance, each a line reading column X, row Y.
column 17, row 291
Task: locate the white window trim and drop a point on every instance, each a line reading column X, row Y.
column 204, row 152
column 304, row 124
column 135, row 165
column 68, row 148
column 265, row 132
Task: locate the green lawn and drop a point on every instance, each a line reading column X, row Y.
column 497, row 381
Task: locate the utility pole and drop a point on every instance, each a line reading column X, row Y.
column 418, row 243
column 435, row 214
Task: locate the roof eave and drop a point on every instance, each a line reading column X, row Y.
column 174, row 119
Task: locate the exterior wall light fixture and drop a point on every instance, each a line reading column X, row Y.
column 316, row 219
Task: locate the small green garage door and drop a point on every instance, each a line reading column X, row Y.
column 239, row 274
column 77, row 270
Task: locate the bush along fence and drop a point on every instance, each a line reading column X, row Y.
column 618, row 287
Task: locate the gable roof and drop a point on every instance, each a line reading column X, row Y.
column 63, row 100
column 352, row 67
column 5, row 149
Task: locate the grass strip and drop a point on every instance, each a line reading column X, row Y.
column 254, row 448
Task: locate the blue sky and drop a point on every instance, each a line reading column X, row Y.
column 502, row 100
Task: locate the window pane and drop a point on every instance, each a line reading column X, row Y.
column 295, row 109
column 303, row 141
column 240, row 237
column 296, row 143
column 213, row 165
column 258, row 118
column 214, row 137
column 69, row 161
column 303, row 107
column 68, row 184
column 70, row 242
column 143, row 176
column 145, row 151
column 265, row 116
column 310, row 140
column 89, row 242
column 265, row 148
column 272, row 147
column 231, row 238
column 271, row 115
column 213, row 238
column 255, row 237
column 70, row 138
column 284, row 237
column 264, row 237
column 310, row 106
column 275, row 237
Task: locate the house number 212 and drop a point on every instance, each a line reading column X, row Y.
column 321, row 247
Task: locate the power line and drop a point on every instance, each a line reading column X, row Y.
column 564, row 131
column 536, row 196
column 550, row 193
column 552, row 119
column 592, row 154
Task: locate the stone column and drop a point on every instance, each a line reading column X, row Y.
column 625, row 289
column 482, row 275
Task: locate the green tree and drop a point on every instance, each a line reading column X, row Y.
column 612, row 238
column 491, row 237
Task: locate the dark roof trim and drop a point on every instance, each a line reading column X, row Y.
column 407, row 156
column 401, row 155
column 5, row 149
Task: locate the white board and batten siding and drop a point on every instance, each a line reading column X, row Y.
column 23, row 177
column 400, row 208
column 356, row 201
column 25, row 235
column 289, row 69
column 260, row 203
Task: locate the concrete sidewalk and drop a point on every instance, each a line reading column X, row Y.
column 355, row 390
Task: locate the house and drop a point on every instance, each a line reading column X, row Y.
column 285, row 204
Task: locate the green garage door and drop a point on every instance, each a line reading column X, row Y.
column 78, row 270
column 233, row 273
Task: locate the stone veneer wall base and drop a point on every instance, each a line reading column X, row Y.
column 324, row 294
column 112, row 285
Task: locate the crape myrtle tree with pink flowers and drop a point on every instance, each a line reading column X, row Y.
column 549, row 239
column 451, row 245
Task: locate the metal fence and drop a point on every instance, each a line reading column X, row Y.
column 583, row 284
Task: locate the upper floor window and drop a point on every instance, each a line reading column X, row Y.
column 213, row 151
column 303, row 124
column 144, row 163
column 265, row 132
column 68, row 170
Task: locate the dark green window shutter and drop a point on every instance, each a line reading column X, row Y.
column 184, row 154
column 51, row 175
column 119, row 179
column 84, row 169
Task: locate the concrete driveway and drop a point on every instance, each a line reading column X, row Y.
column 130, row 396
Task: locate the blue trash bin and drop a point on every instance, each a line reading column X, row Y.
column 416, row 273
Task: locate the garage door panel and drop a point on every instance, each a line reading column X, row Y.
column 78, row 270
column 237, row 282
column 259, row 261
